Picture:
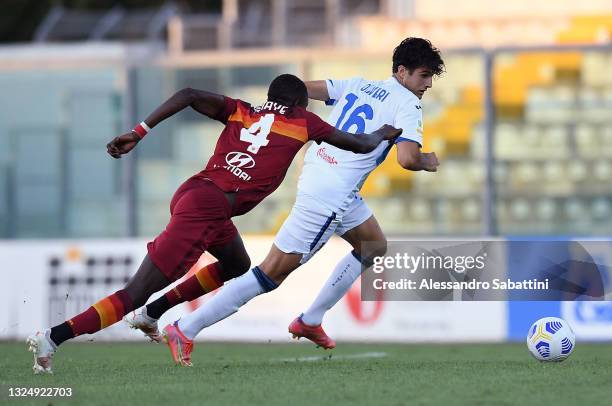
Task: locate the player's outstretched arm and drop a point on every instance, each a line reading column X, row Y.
column 362, row 143
column 410, row 157
column 207, row 103
column 317, row 90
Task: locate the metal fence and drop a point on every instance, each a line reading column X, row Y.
column 524, row 136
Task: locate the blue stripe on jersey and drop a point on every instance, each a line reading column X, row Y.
column 330, row 102
column 318, row 237
column 384, row 154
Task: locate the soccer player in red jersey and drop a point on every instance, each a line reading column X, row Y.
column 250, row 160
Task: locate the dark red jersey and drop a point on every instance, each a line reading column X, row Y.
column 257, row 146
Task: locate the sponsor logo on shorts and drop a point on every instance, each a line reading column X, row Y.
column 327, row 158
column 237, row 162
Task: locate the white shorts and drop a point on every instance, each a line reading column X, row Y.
column 309, row 225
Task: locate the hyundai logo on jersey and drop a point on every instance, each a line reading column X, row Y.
column 240, row 160
column 237, row 162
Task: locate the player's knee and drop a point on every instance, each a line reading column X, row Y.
column 139, row 298
column 244, row 264
column 278, row 264
column 236, row 266
column 379, row 248
column 377, row 236
column 372, row 248
column 277, row 272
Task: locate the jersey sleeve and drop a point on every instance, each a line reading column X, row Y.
column 318, row 130
column 227, row 111
column 410, row 120
column 336, row 88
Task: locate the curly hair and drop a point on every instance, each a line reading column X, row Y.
column 415, row 53
column 289, row 90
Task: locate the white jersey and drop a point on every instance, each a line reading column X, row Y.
column 334, row 176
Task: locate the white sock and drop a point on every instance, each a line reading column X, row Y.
column 345, row 273
column 234, row 295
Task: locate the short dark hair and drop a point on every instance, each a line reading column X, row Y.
column 288, row 90
column 416, row 53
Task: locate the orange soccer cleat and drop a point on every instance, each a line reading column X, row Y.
column 316, row 334
column 180, row 346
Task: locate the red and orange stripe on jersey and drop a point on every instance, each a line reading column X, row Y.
column 295, row 128
column 257, row 146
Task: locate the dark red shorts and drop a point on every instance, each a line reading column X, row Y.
column 200, row 219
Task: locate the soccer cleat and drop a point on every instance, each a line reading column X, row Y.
column 316, row 334
column 43, row 348
column 180, row 346
column 141, row 321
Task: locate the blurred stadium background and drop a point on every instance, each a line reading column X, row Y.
column 521, row 121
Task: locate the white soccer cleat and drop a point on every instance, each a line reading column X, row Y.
column 141, row 321
column 43, row 348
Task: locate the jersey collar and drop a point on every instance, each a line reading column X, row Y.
column 394, row 82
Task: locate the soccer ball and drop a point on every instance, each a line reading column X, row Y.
column 551, row 339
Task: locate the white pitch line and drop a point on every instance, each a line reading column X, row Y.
column 331, row 357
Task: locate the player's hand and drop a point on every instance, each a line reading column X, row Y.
column 122, row 144
column 389, row 133
column 429, row 161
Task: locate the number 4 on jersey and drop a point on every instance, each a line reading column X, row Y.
column 257, row 133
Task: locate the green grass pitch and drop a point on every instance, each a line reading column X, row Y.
column 283, row 374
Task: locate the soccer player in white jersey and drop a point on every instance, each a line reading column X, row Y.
column 361, row 103
column 327, row 199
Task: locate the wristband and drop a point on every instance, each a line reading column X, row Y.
column 141, row 129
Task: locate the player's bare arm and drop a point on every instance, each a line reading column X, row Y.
column 317, row 90
column 207, row 103
column 410, row 157
column 363, row 143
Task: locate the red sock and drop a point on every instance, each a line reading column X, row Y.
column 106, row 312
column 204, row 280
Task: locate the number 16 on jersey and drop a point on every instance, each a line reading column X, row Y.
column 358, row 116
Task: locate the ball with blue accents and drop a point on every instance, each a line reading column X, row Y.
column 551, row 339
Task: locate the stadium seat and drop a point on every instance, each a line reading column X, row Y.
column 574, row 209
column 577, row 171
column 587, row 30
column 501, row 173
column 193, row 143
column 420, row 209
column 470, row 210
column 594, row 69
column 602, row 171
column 152, row 217
column 554, row 171
column 95, row 218
column 601, row 208
column 546, row 209
column 155, row 180
column 520, row 209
